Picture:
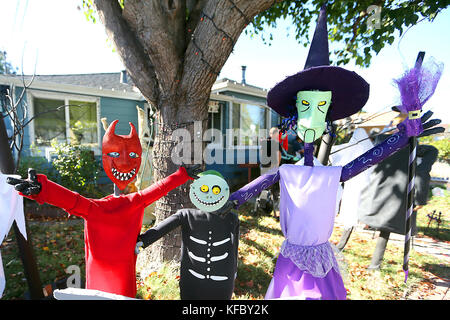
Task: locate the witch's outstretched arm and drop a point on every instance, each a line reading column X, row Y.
column 389, row 146
column 256, row 186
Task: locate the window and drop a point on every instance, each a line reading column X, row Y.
column 215, row 122
column 66, row 120
column 247, row 122
column 83, row 122
column 214, row 115
column 49, row 121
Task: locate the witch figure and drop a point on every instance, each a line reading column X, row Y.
column 306, row 267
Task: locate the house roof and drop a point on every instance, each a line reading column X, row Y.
column 111, row 81
column 225, row 84
column 109, row 84
column 98, row 84
column 222, row 80
column 93, row 80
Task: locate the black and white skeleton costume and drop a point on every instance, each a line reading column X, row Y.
column 209, row 252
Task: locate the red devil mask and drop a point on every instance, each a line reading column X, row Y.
column 121, row 155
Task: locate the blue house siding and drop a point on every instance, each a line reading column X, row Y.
column 225, row 116
column 122, row 109
column 26, row 131
column 116, row 107
column 112, row 108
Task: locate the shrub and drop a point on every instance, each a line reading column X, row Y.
column 77, row 167
column 40, row 164
column 443, row 145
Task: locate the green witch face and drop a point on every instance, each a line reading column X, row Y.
column 312, row 108
column 209, row 192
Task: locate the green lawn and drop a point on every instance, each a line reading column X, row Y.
column 59, row 244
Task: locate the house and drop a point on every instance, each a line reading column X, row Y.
column 90, row 97
column 373, row 122
column 243, row 117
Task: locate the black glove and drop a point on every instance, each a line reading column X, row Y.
column 27, row 187
column 429, row 127
column 227, row 207
column 192, row 171
column 139, row 245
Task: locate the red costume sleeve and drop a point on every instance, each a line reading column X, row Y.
column 284, row 142
column 59, row 196
column 74, row 203
column 160, row 188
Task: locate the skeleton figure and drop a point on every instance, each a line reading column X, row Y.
column 210, row 236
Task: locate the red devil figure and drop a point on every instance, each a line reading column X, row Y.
column 121, row 155
column 113, row 223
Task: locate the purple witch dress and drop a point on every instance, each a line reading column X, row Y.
column 306, row 267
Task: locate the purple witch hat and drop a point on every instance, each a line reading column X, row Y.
column 349, row 91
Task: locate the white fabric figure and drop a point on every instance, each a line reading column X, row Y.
column 351, row 195
column 2, row 277
column 86, row 294
column 11, row 208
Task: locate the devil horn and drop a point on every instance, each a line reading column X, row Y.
column 112, row 128
column 133, row 130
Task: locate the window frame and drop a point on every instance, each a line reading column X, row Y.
column 222, row 104
column 66, row 97
column 230, row 122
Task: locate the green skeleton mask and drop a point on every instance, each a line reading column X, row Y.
column 209, row 192
column 312, row 108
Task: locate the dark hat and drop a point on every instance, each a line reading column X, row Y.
column 349, row 90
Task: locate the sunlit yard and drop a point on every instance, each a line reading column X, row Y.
column 59, row 244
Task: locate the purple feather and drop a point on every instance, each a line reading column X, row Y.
column 416, row 87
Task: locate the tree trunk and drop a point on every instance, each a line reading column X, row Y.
column 173, row 116
column 173, row 51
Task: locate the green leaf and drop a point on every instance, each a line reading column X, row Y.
column 344, row 25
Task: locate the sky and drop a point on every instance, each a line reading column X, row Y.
column 54, row 37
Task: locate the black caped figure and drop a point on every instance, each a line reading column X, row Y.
column 383, row 201
column 210, row 237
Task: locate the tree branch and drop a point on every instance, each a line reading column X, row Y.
column 194, row 8
column 160, row 28
column 212, row 41
column 130, row 50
